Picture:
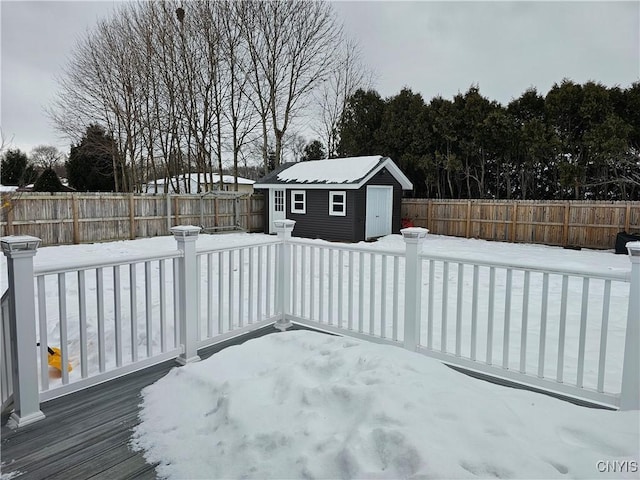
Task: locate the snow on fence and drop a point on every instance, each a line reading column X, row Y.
column 514, row 322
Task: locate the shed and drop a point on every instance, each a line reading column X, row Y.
column 340, row 199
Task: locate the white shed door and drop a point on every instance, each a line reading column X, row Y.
column 277, row 207
column 379, row 211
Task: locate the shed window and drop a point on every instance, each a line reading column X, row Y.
column 298, row 201
column 338, row 204
column 278, row 200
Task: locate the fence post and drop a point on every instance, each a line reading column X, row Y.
column 20, row 251
column 132, row 218
column 413, row 239
column 630, row 393
column 283, row 298
column 467, row 230
column 168, row 201
column 188, row 284
column 76, row 220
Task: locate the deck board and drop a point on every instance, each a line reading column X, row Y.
column 86, row 434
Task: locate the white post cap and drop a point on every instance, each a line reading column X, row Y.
column 634, row 251
column 284, row 224
column 414, row 234
column 15, row 243
column 183, row 231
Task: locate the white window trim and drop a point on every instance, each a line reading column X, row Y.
column 332, row 212
column 304, row 201
column 275, row 201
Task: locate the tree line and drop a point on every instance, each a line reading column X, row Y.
column 41, row 169
column 180, row 86
column 579, row 141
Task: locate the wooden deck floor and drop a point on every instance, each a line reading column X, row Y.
column 86, row 434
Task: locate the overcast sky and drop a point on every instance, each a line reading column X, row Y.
column 435, row 48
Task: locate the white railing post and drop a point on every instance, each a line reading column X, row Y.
column 413, row 239
column 20, row 251
column 283, row 297
column 188, row 284
column 630, row 393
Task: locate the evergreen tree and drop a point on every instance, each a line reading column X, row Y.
column 360, row 123
column 16, row 170
column 48, row 181
column 578, row 141
column 90, row 164
column 445, row 121
column 313, row 151
column 533, row 147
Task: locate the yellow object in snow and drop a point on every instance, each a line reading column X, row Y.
column 55, row 359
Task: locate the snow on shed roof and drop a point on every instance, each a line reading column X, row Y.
column 335, row 171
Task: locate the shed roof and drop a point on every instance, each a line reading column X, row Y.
column 350, row 172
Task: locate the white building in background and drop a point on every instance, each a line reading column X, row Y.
column 188, row 182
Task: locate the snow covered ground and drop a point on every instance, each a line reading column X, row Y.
column 308, row 405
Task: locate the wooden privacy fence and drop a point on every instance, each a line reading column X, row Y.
column 65, row 218
column 589, row 224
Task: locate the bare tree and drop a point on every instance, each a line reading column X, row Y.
column 4, row 142
column 46, row 156
column 240, row 114
column 191, row 85
column 292, row 48
column 99, row 86
column 349, row 75
column 295, row 144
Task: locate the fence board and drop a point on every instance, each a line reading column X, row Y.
column 65, row 218
column 588, row 224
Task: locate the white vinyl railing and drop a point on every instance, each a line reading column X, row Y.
column 236, row 290
column 6, row 379
column 133, row 301
column 513, row 321
column 570, row 332
column 348, row 288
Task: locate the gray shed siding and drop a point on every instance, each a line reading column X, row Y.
column 317, row 223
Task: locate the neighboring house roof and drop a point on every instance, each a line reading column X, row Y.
column 29, row 188
column 194, row 179
column 349, row 173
